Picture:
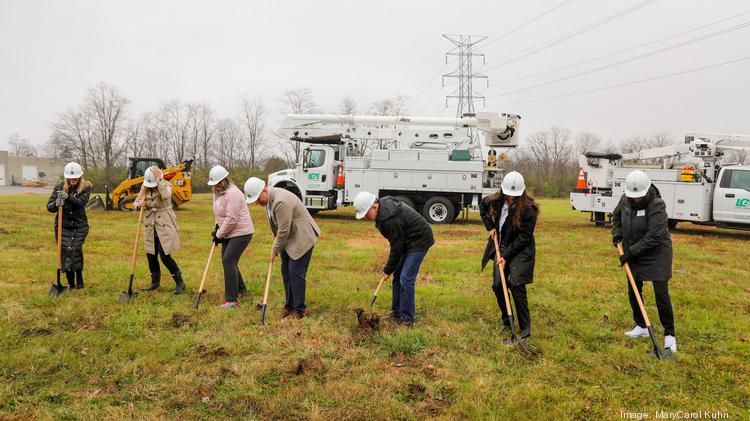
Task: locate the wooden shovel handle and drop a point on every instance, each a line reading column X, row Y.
column 632, row 285
column 380, row 284
column 501, row 268
column 59, row 237
column 205, row 269
column 268, row 279
column 135, row 245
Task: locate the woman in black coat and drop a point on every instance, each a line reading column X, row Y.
column 640, row 223
column 515, row 213
column 72, row 194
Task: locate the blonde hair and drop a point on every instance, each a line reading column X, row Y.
column 79, row 188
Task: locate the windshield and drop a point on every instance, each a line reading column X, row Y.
column 314, row 158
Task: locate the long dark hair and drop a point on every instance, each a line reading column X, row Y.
column 521, row 204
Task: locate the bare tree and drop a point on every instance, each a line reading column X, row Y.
column 587, row 142
column 252, row 117
column 202, row 126
column 174, row 122
column 228, row 148
column 107, row 110
column 20, row 146
column 348, row 106
column 73, row 137
column 298, row 101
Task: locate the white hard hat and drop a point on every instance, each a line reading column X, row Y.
column 73, row 170
column 253, row 187
column 363, row 202
column 513, row 184
column 149, row 178
column 217, row 174
column 637, row 184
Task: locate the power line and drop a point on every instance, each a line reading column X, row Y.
column 429, row 82
column 638, row 57
column 505, row 82
column 619, row 85
column 528, row 22
column 569, row 35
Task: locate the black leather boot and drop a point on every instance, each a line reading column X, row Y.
column 155, row 280
column 180, row 284
column 79, row 279
column 71, row 276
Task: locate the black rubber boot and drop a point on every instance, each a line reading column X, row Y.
column 71, row 278
column 180, row 284
column 79, row 279
column 155, row 280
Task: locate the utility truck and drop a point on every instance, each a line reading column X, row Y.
column 434, row 165
column 706, row 193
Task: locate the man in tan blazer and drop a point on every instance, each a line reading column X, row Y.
column 295, row 234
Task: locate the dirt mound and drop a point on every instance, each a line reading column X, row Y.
column 368, row 321
column 181, row 319
column 310, row 365
column 36, row 331
column 211, row 354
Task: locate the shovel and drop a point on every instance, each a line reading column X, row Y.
column 665, row 354
column 129, row 294
column 380, row 284
column 58, row 289
column 265, row 294
column 508, row 307
column 203, row 279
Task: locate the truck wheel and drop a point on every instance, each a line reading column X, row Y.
column 599, row 218
column 439, row 210
column 126, row 204
column 672, row 224
column 407, row 201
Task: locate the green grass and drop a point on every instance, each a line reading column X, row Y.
column 84, row 356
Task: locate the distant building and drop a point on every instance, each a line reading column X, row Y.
column 14, row 170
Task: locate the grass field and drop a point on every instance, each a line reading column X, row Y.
column 84, row 356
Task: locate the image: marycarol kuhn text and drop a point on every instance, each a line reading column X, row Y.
column 675, row 415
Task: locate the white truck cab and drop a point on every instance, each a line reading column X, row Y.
column 732, row 196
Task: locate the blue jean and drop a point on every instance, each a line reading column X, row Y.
column 404, row 279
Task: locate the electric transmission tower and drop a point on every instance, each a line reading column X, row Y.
column 465, row 73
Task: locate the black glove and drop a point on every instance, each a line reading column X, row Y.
column 214, row 238
column 616, row 240
column 624, row 258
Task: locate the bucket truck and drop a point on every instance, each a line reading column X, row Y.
column 706, row 193
column 434, row 165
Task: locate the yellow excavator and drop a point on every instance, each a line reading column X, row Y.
column 123, row 196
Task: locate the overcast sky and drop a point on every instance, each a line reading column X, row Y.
column 216, row 51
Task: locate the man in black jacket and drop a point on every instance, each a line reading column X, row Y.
column 410, row 238
column 640, row 222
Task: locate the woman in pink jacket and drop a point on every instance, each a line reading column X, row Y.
column 233, row 230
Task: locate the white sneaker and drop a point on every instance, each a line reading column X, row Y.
column 637, row 332
column 670, row 342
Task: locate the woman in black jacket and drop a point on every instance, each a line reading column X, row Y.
column 514, row 212
column 72, row 194
column 639, row 222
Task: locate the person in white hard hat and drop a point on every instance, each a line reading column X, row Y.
column 73, row 195
column 512, row 214
column 233, row 230
column 295, row 235
column 161, row 237
column 410, row 238
column 640, row 223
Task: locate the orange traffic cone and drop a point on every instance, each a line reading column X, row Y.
column 340, row 177
column 581, row 184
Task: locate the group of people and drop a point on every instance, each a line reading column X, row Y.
column 509, row 215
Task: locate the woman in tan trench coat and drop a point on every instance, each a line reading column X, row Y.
column 161, row 235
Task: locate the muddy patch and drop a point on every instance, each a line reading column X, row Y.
column 209, row 354
column 367, row 321
column 180, row 320
column 311, row 364
column 36, row 331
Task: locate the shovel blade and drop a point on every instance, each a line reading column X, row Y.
column 57, row 290
column 127, row 296
column 372, row 301
column 198, row 299
column 263, row 314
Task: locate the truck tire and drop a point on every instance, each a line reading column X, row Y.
column 124, row 202
column 439, row 210
column 600, row 218
column 407, row 201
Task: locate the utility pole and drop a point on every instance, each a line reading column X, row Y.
column 465, row 73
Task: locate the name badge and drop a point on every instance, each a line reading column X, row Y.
column 641, row 212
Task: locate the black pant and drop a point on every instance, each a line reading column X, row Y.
column 72, row 275
column 519, row 298
column 294, row 273
column 153, row 260
column 663, row 305
column 231, row 251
